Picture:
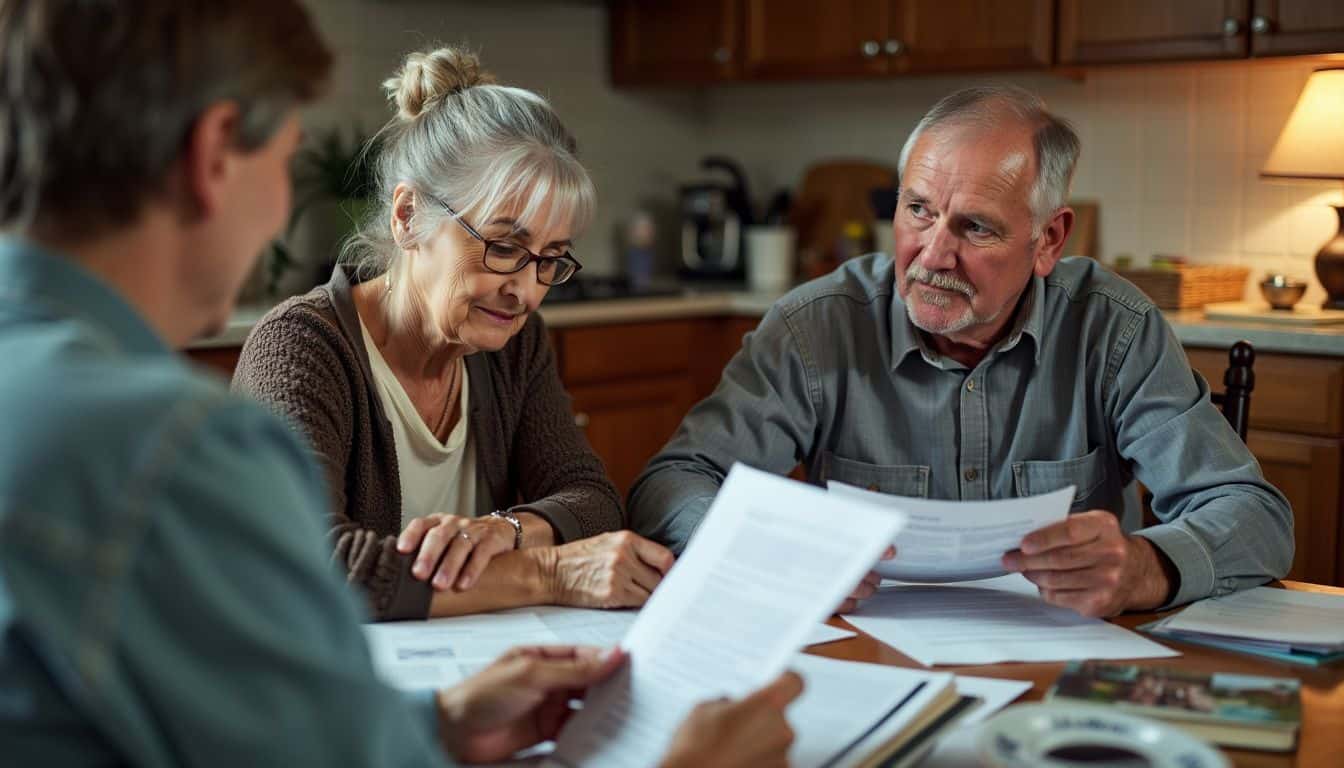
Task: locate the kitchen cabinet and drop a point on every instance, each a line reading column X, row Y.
column 801, row 39
column 686, row 42
column 631, row 384
column 219, row 359
column 1105, row 32
column 969, row 35
column 1297, row 435
column 1293, row 27
column 627, row 422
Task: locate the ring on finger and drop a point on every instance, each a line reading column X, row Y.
column 465, row 535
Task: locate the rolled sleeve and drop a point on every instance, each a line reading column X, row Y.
column 1192, row 559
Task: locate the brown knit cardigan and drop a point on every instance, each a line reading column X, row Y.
column 306, row 360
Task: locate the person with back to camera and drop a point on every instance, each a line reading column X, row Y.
column 165, row 594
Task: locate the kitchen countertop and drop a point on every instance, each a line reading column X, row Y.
column 1191, row 328
column 568, row 314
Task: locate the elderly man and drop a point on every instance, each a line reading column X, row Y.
column 977, row 365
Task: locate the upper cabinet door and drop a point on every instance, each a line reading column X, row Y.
column 954, row 35
column 1107, row 31
column 1290, row 27
column 689, row 41
column 807, row 38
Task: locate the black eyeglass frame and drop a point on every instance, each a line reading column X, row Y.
column 566, row 258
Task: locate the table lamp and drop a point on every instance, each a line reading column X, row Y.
column 1311, row 146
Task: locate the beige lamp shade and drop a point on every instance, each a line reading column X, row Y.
column 1311, row 145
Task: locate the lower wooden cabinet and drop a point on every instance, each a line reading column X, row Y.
column 1307, row 470
column 221, row 359
column 628, row 422
column 1297, row 435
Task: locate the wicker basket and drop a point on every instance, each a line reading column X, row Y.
column 1189, row 286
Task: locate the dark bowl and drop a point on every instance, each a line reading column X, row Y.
column 1281, row 292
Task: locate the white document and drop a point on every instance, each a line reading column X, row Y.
column 766, row 565
column 850, row 708
column 937, row 624
column 959, row 540
column 1298, row 619
column 825, row 633
column 586, row 626
column 439, row 653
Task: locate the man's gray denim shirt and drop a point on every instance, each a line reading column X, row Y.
column 1090, row 388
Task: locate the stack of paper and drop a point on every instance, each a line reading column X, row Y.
column 852, row 713
column 1296, row 627
column 992, row 621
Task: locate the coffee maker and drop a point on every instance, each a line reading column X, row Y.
column 714, row 216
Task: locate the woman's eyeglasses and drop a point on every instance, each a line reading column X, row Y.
column 505, row 258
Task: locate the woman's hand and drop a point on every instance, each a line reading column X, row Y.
column 748, row 733
column 519, row 700
column 610, row 570
column 461, row 547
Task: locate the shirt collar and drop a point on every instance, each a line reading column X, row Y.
column 35, row 276
column 906, row 339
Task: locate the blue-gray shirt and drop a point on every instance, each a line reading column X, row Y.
column 166, row 597
column 1089, row 388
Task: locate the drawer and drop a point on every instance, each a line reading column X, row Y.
column 634, row 350
column 1293, row 393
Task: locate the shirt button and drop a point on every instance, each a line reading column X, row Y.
column 970, row 385
column 970, row 474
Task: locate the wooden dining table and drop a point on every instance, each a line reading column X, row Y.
column 1320, row 742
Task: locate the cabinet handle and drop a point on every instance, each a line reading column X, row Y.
column 1231, row 27
column 894, row 47
column 723, row 55
column 1260, row 25
column 581, row 420
column 870, row 48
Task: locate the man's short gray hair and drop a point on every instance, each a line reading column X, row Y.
column 1056, row 143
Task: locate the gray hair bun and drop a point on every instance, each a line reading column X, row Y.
column 428, row 77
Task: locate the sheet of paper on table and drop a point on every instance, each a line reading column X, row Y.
column 415, row 655
column 945, row 541
column 998, row 620
column 438, row 653
column 762, row 570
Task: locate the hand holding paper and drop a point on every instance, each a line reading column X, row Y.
column 1087, row 563
column 765, row 566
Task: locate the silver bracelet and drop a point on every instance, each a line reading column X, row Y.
column 517, row 526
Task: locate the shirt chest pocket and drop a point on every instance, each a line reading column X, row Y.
column 1086, row 473
column 897, row 479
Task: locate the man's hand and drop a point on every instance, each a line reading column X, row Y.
column 866, row 588
column 519, row 700
column 1087, row 563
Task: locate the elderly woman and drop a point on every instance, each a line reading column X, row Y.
column 423, row 376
